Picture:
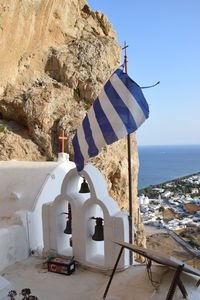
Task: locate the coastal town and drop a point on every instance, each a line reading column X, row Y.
column 174, row 206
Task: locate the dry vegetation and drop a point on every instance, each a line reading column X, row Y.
column 190, row 235
column 166, row 245
column 168, row 214
column 191, row 207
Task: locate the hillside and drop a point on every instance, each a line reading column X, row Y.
column 165, row 244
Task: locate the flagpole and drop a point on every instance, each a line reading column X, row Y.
column 129, row 171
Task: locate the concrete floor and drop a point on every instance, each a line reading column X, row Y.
column 131, row 284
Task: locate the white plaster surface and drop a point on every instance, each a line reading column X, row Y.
column 49, row 191
column 13, row 245
column 23, row 178
column 25, row 187
column 131, row 284
column 32, row 190
column 97, row 203
column 5, row 287
column 22, row 182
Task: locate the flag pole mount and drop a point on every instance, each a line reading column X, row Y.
column 150, row 86
column 129, row 170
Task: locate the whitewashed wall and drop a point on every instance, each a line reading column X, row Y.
column 97, row 203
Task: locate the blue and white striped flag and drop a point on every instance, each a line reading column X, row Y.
column 119, row 110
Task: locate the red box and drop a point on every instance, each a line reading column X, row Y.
column 61, row 265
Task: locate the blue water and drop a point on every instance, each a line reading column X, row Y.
column 162, row 163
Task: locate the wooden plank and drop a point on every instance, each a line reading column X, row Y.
column 160, row 259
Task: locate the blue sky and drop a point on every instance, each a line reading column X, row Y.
column 164, row 45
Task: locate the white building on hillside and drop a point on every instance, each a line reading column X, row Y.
column 143, row 200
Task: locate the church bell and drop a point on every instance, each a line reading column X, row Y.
column 84, row 187
column 68, row 228
column 98, row 231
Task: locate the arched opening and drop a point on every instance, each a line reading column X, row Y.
column 65, row 228
column 75, row 184
column 95, row 232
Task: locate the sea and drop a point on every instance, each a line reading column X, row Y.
column 159, row 164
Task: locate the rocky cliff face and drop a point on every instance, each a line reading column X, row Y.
column 55, row 57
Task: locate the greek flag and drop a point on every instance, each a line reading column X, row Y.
column 119, row 110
